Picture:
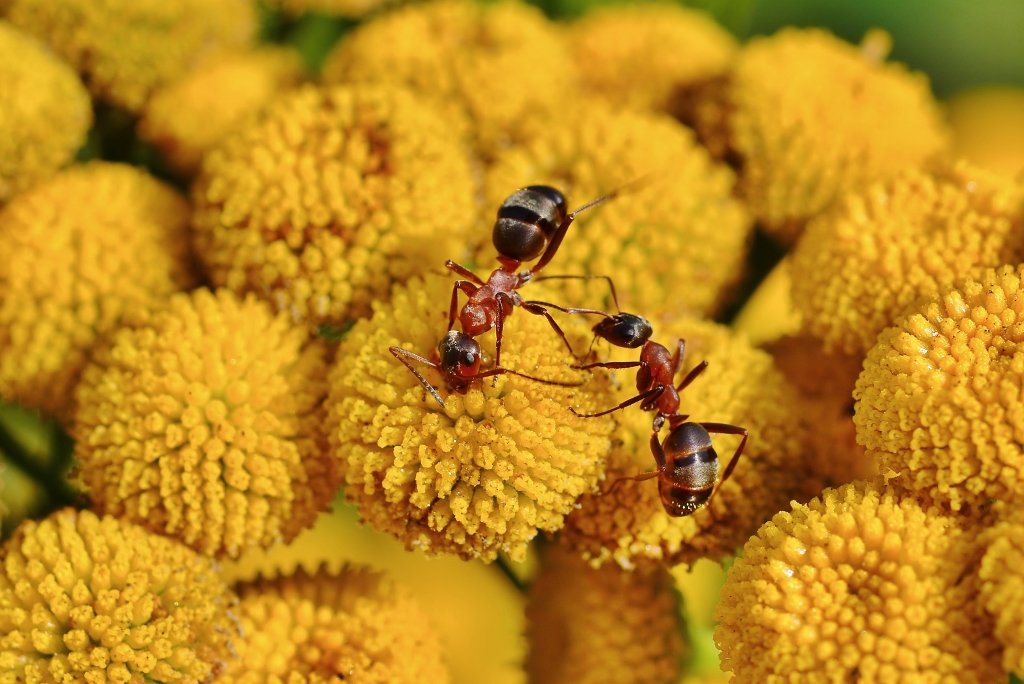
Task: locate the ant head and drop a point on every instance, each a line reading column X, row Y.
column 460, row 358
column 527, row 220
column 624, row 330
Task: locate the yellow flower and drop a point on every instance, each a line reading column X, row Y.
column 352, row 625
column 808, row 117
column 89, row 599
column 497, row 70
column 595, row 626
column 45, row 116
column 344, row 8
column 861, row 263
column 499, row 464
column 330, row 196
column 643, row 55
column 189, row 116
column 938, row 402
column 856, row 586
column 202, row 420
column 1002, row 585
column 988, row 127
column 741, row 386
column 78, row 250
column 673, row 242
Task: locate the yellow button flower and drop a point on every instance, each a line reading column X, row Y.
column 344, row 8
column 202, row 420
column 351, row 624
column 89, row 599
column 643, row 55
column 499, row 464
column 939, row 403
column 857, row 585
column 742, row 387
column 861, row 263
column 189, row 116
column 330, row 196
column 808, row 117
column 591, row 626
column 78, row 250
column 988, row 127
column 45, row 116
column 1002, row 584
column 673, row 242
column 496, row 69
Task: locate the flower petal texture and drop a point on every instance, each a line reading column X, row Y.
column 498, row 464
column 939, row 402
column 329, row 196
column 861, row 263
column 202, row 420
column 1002, row 584
column 857, row 584
column 351, row 624
column 80, row 249
column 95, row 599
column 46, row 112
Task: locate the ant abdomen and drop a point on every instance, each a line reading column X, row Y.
column 527, row 220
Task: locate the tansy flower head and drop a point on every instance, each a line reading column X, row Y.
column 124, row 49
column 89, row 599
column 988, row 128
column 352, row 625
column 189, row 116
column 1002, row 584
column 201, row 420
column 329, row 196
column 344, row 8
column 938, row 402
column 78, row 250
column 501, row 462
column 496, row 69
column 643, row 55
column 861, row 263
column 673, row 242
column 741, row 386
column 46, row 112
column 808, row 117
column 856, row 585
column 593, row 626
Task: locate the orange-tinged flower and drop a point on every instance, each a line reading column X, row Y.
column 202, row 420
column 329, row 196
column 988, row 127
column 856, row 585
column 939, row 403
column 45, row 116
column 124, row 49
column 353, row 624
column 1002, row 584
column 189, row 116
column 861, row 263
column 90, row 599
column 607, row 625
column 79, row 249
column 498, row 464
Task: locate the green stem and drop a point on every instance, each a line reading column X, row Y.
column 58, row 491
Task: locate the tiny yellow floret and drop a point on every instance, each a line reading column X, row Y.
column 343, row 8
column 1002, row 584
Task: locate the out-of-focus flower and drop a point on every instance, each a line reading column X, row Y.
column 861, row 263
column 606, row 625
column 768, row 314
column 988, row 127
column 673, row 242
column 856, row 585
column 353, row 625
column 498, row 70
column 89, row 599
column 741, row 386
column 45, row 116
column 344, row 8
column 499, row 464
column 1002, row 584
column 188, row 117
column 125, row 49
column 202, row 420
column 807, row 117
column 78, row 250
column 939, row 403
column 329, row 196
column 643, row 55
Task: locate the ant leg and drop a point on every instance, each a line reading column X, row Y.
column 649, row 394
column 563, row 309
column 403, row 354
column 677, row 358
column 611, row 364
column 611, row 284
column 691, row 376
column 463, row 271
column 467, row 287
column 636, row 478
column 499, row 371
column 537, row 309
column 726, row 429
